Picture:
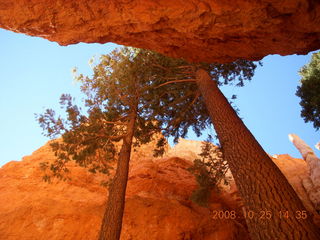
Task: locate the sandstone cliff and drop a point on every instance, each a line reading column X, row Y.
column 157, row 201
column 212, row 31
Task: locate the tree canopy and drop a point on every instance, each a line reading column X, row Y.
column 111, row 93
column 309, row 91
column 132, row 95
column 168, row 103
column 181, row 104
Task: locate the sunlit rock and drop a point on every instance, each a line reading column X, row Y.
column 158, row 202
column 312, row 185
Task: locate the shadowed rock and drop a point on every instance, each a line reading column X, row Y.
column 211, row 31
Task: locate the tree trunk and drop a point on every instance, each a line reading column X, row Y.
column 112, row 220
column 272, row 208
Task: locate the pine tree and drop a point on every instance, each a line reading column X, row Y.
column 139, row 93
column 126, row 102
column 261, row 184
column 210, row 172
column 117, row 110
column 309, row 91
column 130, row 97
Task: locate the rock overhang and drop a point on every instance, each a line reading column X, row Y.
column 210, row 31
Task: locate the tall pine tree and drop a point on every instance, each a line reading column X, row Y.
column 261, row 184
column 117, row 110
column 139, row 93
column 309, row 91
column 130, row 97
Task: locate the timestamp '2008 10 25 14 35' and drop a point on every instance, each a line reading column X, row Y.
column 261, row 215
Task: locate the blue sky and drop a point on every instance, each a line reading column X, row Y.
column 35, row 72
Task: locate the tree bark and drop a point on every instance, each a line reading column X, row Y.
column 272, row 208
column 112, row 220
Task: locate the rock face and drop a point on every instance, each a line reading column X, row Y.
column 296, row 171
column 157, row 200
column 157, row 203
column 212, row 31
column 312, row 183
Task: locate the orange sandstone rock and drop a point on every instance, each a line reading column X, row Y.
column 212, row 31
column 157, row 200
column 157, row 203
column 296, row 171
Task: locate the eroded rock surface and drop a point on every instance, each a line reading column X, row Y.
column 212, row 31
column 312, row 183
column 296, row 171
column 157, row 203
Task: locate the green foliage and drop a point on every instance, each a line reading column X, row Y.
column 162, row 92
column 210, row 171
column 113, row 93
column 179, row 104
column 309, row 91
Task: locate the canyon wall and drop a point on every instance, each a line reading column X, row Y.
column 158, row 202
column 211, row 31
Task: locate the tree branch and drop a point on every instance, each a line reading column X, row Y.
column 159, row 66
column 195, row 98
column 181, row 99
column 176, row 81
column 110, row 122
column 116, row 138
column 186, row 108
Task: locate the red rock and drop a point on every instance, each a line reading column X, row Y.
column 296, row 171
column 212, row 31
column 157, row 203
column 157, row 200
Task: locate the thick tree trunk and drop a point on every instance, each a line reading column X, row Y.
column 112, row 220
column 272, row 208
